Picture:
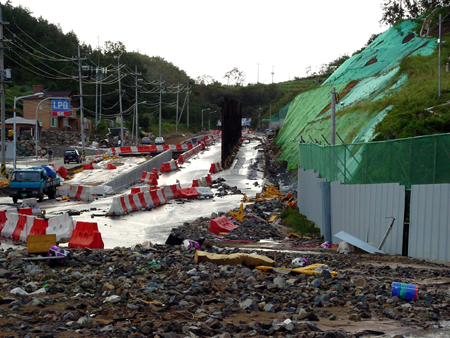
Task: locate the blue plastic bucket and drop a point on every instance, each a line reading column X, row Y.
column 404, row 291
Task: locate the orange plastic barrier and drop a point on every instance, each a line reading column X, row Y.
column 25, row 211
column 86, row 235
column 39, row 227
column 88, row 166
column 62, row 171
column 188, row 193
column 155, row 172
column 221, row 224
column 111, row 166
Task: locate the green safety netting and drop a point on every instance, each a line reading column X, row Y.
column 416, row 160
column 280, row 115
column 308, row 117
column 384, row 53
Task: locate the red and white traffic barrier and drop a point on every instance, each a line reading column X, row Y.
column 171, row 191
column 19, row 226
column 215, row 167
column 80, row 192
column 202, row 182
column 149, row 149
column 188, row 154
column 150, row 178
column 169, row 166
column 127, row 203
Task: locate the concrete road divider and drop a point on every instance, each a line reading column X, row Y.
column 86, row 235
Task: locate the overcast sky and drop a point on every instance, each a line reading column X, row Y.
column 208, row 37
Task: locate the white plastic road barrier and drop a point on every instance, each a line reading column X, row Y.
column 80, row 192
column 14, row 221
column 62, row 226
column 63, row 190
column 171, row 191
column 29, row 220
column 33, row 204
column 202, row 182
column 204, row 191
column 127, row 203
column 169, row 166
column 10, row 224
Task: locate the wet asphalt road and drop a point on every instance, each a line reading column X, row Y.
column 155, row 225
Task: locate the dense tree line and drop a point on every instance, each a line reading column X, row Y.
column 395, row 10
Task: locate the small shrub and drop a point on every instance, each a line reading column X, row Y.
column 298, row 222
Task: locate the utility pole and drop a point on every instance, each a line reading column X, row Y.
column 272, row 74
column 103, row 72
column 137, row 103
column 259, row 118
column 270, row 114
column 81, row 104
column 257, row 76
column 160, row 97
column 333, row 116
column 439, row 69
column 96, row 94
column 3, row 107
column 187, row 111
column 120, row 102
column 176, row 119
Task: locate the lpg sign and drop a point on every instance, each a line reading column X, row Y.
column 60, row 108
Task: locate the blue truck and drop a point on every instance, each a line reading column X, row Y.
column 33, row 182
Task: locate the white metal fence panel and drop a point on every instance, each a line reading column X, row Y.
column 366, row 211
column 429, row 232
column 309, row 196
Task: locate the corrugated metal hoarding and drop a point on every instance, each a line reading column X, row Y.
column 429, row 233
column 366, row 212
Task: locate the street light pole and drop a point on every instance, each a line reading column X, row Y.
column 120, row 101
column 14, row 128
column 36, row 130
column 160, row 92
column 202, row 114
column 209, row 119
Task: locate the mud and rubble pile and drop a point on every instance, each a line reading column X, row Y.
column 160, row 291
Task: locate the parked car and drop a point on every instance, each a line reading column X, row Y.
column 145, row 140
column 72, row 155
column 159, row 140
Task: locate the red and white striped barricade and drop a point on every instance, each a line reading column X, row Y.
column 169, row 166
